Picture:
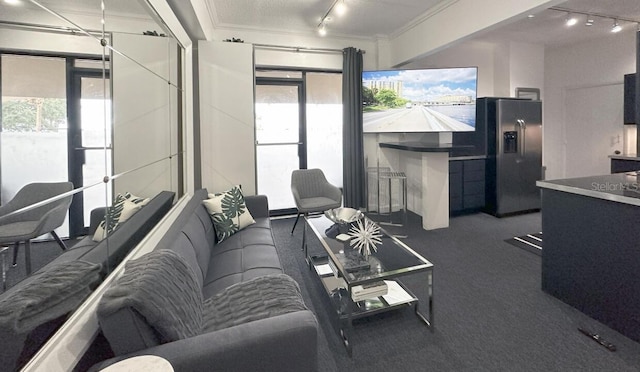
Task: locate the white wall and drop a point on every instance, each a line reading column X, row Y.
column 144, row 114
column 526, row 67
column 583, row 104
column 456, row 20
column 227, row 119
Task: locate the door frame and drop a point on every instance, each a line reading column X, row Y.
column 75, row 150
column 302, row 127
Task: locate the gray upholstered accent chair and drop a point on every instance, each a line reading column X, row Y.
column 24, row 226
column 313, row 193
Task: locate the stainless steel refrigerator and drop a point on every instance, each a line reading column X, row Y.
column 514, row 154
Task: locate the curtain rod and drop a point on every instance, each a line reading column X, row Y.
column 301, row 49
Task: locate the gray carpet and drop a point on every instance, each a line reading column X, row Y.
column 490, row 314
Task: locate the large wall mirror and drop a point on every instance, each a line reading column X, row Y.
column 91, row 124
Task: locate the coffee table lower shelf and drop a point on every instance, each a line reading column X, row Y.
column 348, row 310
column 337, row 290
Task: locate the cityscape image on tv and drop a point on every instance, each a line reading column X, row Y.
column 420, row 100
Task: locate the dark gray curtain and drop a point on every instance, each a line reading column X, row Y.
column 352, row 146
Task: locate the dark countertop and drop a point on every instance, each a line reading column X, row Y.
column 468, row 157
column 618, row 187
column 633, row 157
column 416, row 146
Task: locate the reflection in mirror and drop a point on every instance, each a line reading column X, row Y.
column 98, row 127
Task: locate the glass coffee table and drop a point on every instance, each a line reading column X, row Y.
column 360, row 287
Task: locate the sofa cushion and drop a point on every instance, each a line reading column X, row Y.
column 243, row 256
column 228, row 212
column 160, row 288
column 259, row 298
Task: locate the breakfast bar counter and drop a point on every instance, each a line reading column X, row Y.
column 590, row 255
column 433, row 178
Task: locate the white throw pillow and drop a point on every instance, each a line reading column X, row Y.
column 124, row 206
column 228, row 212
column 129, row 208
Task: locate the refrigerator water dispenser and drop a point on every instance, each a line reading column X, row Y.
column 510, row 142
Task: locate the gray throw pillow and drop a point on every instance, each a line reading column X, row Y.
column 161, row 288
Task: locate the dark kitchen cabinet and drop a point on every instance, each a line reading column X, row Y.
column 630, row 99
column 466, row 185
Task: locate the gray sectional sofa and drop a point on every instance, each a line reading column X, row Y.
column 225, row 306
column 32, row 310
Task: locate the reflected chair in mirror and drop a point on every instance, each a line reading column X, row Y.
column 313, row 193
column 23, row 226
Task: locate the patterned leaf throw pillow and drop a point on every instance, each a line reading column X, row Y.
column 228, row 212
column 124, row 206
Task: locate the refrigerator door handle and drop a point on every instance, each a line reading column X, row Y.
column 522, row 128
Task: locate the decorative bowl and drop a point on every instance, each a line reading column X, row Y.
column 343, row 215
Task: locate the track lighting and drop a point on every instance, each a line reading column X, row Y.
column 322, row 29
column 338, row 7
column 589, row 21
column 616, row 27
column 571, row 19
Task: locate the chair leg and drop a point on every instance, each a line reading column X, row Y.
column 295, row 223
column 60, row 242
column 27, row 256
column 16, row 246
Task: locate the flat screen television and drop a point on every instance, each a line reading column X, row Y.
column 420, row 100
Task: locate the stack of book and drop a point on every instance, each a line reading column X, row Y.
column 369, row 290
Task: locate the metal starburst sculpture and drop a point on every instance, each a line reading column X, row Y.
column 365, row 236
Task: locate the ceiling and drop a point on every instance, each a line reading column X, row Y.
column 364, row 18
column 379, row 18
column 548, row 26
column 83, row 13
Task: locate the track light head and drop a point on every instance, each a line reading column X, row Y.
column 322, row 30
column 570, row 20
column 589, row 21
column 340, row 8
column 616, row 27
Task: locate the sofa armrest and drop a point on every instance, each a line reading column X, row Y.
column 97, row 215
column 258, row 205
column 285, row 342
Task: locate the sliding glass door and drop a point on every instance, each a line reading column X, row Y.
column 298, row 126
column 55, row 126
column 33, row 132
column 324, row 124
column 279, row 139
